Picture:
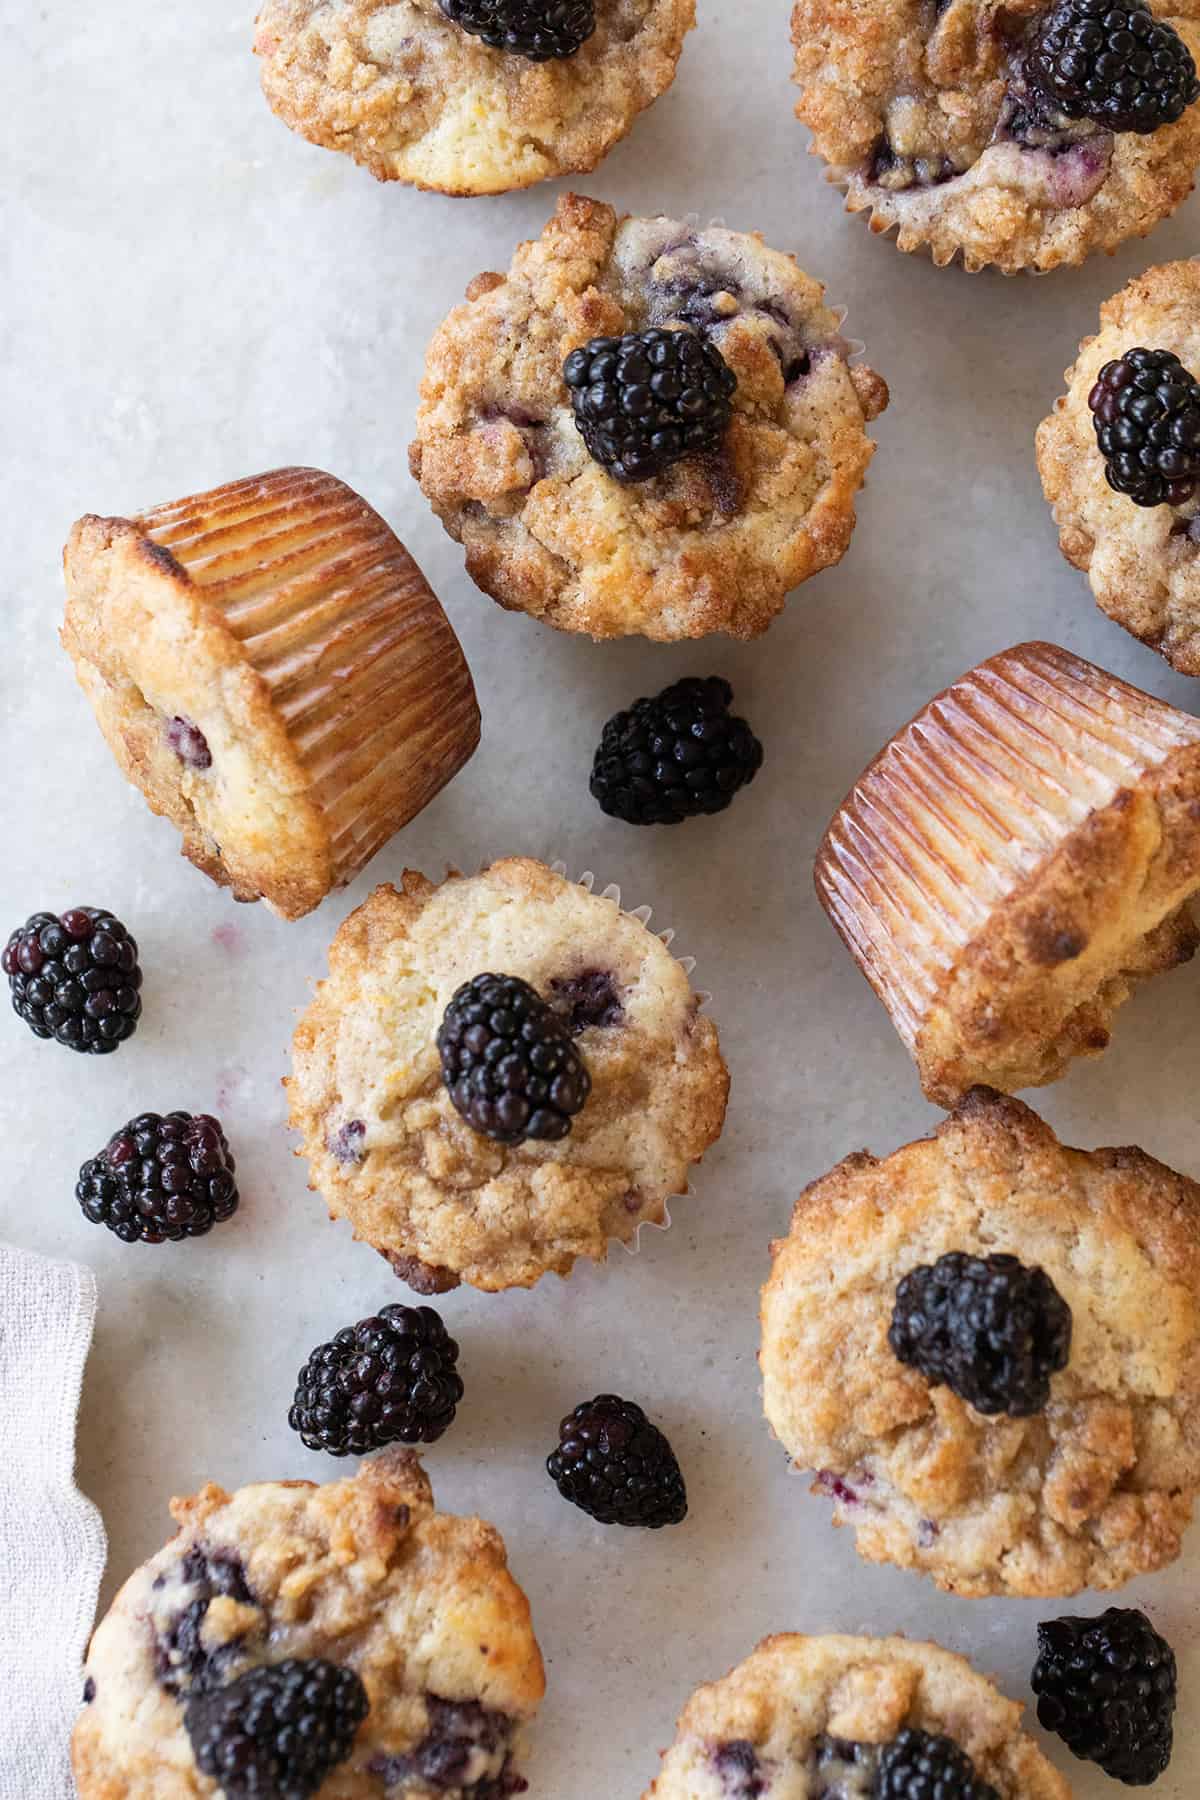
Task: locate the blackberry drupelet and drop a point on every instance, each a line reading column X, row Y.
column 1113, row 62
column 916, row 1765
column 538, row 30
column 1146, row 410
column 161, row 1179
column 389, row 1379
column 644, row 401
column 618, row 1467
column 75, row 977
column 276, row 1732
column 1107, row 1687
column 508, row 1061
column 675, row 756
column 988, row 1328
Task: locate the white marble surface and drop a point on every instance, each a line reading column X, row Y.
column 194, row 294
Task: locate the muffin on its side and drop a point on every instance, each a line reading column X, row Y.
column 271, row 668
column 415, row 1610
column 1013, row 862
column 1142, row 557
column 1075, row 1460
column 388, row 1147
column 712, row 540
column 836, row 1715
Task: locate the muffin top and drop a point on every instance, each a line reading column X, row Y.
column 930, row 119
column 806, row 1715
column 415, row 97
column 362, row 1573
column 714, row 543
column 1091, row 1489
column 1143, row 561
column 385, row 1144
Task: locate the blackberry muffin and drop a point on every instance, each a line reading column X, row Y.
column 1024, row 135
column 354, row 1607
column 450, row 1195
column 852, row 1717
column 987, row 1347
column 268, row 664
column 1130, row 519
column 1013, row 862
column 645, row 428
column 469, row 96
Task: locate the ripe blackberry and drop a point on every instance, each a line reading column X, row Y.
column 160, row 1178
column 508, row 1061
column 538, row 30
column 644, row 401
column 988, row 1328
column 276, row 1732
column 1113, row 62
column 1107, row 1687
column 617, row 1467
column 389, row 1379
column 916, row 1765
column 1146, row 411
column 675, row 756
column 75, row 977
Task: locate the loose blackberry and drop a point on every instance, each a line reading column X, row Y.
column 644, row 401
column 916, row 1765
column 617, row 1467
column 160, row 1178
column 508, row 1061
column 675, row 756
column 74, row 976
column 988, row 1328
column 1113, row 62
column 538, row 30
column 1107, row 1687
column 389, row 1379
column 1146, row 411
column 276, row 1732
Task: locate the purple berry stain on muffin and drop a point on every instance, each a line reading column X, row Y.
column 587, row 1001
column 189, row 744
column 467, row 1747
column 739, row 1770
column 846, row 1491
column 181, row 1659
column 347, row 1145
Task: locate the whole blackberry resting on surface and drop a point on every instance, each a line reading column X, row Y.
column 988, row 1328
column 389, row 1379
column 1113, row 62
column 161, row 1179
column 276, row 1732
column 916, row 1765
column 644, row 401
column 1107, row 1687
column 1146, row 411
column 508, row 1061
column 617, row 1467
column 675, row 756
column 538, row 30
column 74, row 976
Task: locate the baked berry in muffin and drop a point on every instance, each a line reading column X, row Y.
column 1120, row 461
column 427, row 1130
column 356, row 1606
column 469, row 96
column 271, row 668
column 851, row 1718
column 605, row 479
column 1023, row 135
column 987, row 1347
column 1013, row 862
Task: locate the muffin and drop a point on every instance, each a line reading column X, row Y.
column 830, row 1715
column 1014, row 862
column 468, row 96
column 271, row 668
column 1005, row 1431
column 985, row 132
column 760, row 492
column 1138, row 543
column 388, row 1147
column 362, row 1574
